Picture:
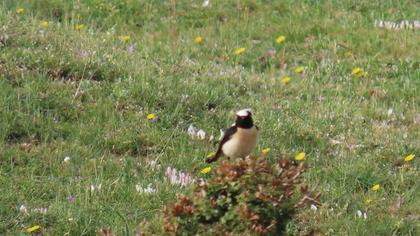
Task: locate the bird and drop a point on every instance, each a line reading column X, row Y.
column 240, row 139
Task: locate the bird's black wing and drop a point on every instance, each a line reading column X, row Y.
column 226, row 137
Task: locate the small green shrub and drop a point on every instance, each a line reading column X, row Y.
column 247, row 197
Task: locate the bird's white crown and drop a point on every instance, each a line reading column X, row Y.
column 243, row 112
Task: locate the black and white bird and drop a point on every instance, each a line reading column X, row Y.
column 240, row 139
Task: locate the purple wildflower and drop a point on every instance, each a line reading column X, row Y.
column 71, row 199
column 177, row 177
column 83, row 54
column 130, row 48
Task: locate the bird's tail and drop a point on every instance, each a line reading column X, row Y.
column 215, row 157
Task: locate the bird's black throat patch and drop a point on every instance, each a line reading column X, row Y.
column 244, row 122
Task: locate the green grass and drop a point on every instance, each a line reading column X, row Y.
column 79, row 93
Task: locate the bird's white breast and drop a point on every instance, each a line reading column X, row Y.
column 242, row 143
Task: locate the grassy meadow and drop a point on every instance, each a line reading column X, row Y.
column 96, row 97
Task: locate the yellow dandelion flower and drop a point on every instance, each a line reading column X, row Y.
column 20, row 10
column 34, row 228
column 409, row 157
column 348, row 54
column 205, row 170
column 151, row 116
column 79, row 26
column 211, row 154
column 361, row 74
column 285, row 80
column 280, row 39
column 358, row 72
column 300, row 156
column 266, row 150
column 299, row 69
column 125, row 38
column 44, row 24
column 198, row 40
column 239, row 51
column 376, row 187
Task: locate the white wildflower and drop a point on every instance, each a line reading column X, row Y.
column 153, row 164
column 392, row 25
column 23, row 209
column 361, row 214
column 313, row 207
column 67, row 159
column 95, row 187
column 206, row 3
column 148, row 189
column 184, row 97
column 41, row 210
column 201, row 134
column 191, row 131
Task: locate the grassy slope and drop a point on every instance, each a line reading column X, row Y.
column 97, row 115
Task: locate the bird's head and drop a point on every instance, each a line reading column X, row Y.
column 244, row 119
